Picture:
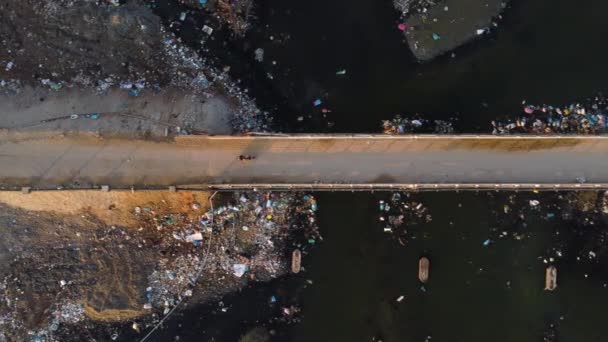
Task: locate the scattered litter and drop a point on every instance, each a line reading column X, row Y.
column 194, row 237
column 239, row 269
column 578, row 118
column 208, row 30
column 259, row 54
column 317, row 102
column 404, row 125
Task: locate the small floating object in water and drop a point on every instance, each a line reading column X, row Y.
column 402, row 27
column 551, row 278
column 529, row 109
column 436, row 36
column 317, row 102
column 341, row 72
column 296, row 261
column 487, row 242
column 423, row 269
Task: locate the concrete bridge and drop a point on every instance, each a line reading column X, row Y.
column 337, row 162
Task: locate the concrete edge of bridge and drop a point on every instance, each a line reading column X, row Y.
column 333, row 187
column 11, row 135
column 392, row 137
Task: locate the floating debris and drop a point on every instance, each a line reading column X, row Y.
column 551, row 278
column 578, row 118
column 404, row 125
column 423, row 269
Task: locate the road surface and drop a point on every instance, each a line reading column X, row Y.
column 48, row 163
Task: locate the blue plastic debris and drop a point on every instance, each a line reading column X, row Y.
column 94, row 116
column 550, row 215
column 202, row 2
column 317, row 102
column 436, row 36
column 273, row 299
column 133, row 92
column 487, row 243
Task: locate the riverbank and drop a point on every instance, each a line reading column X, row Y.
column 90, row 47
column 86, row 262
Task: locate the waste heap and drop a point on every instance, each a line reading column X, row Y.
column 589, row 118
column 70, row 274
column 250, row 238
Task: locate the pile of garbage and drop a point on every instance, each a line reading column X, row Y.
column 404, row 125
column 588, row 118
column 249, row 238
column 401, row 214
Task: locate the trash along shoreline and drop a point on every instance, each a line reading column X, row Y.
column 169, row 254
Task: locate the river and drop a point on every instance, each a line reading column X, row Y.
column 551, row 52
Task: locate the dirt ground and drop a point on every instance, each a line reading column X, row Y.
column 111, row 208
column 81, row 247
column 151, row 113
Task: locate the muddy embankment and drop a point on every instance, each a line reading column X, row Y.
column 116, row 66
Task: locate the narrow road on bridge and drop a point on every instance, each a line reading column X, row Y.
column 52, row 162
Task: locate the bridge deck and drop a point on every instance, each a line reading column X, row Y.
column 327, row 162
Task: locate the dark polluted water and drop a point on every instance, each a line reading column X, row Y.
column 486, row 279
column 543, row 52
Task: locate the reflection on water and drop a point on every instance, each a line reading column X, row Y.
column 477, row 291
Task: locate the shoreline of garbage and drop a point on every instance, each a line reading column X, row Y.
column 172, row 257
column 588, row 117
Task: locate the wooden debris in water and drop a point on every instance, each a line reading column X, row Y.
column 423, row 269
column 296, row 261
column 550, row 278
